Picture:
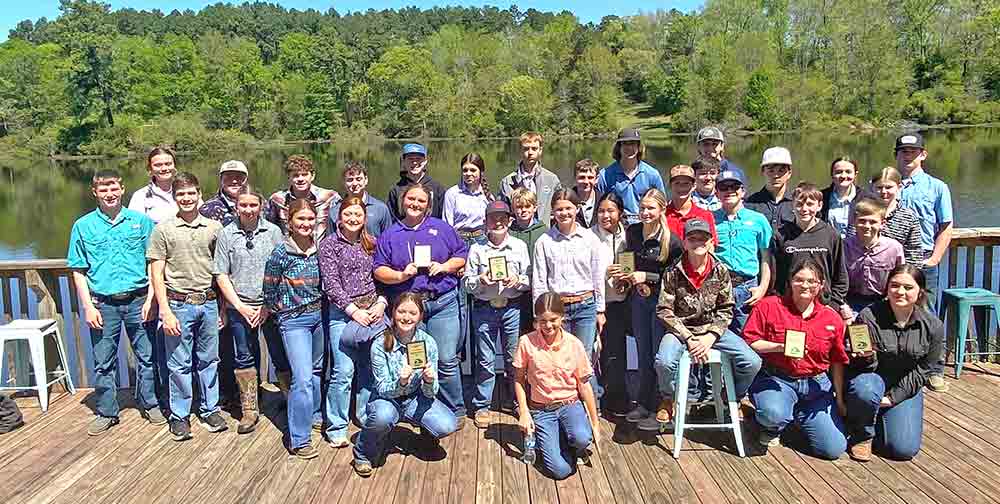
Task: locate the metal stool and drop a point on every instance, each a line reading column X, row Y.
column 962, row 302
column 34, row 332
column 721, row 368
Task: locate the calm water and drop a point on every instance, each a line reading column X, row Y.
column 40, row 199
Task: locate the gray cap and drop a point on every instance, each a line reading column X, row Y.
column 233, row 166
column 628, row 135
column 695, row 226
column 710, row 133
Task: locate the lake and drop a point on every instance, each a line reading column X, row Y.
column 40, row 199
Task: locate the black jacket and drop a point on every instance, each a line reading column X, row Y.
column 436, row 202
column 821, row 243
column 647, row 253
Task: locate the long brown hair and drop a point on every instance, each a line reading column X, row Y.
column 390, row 334
column 367, row 240
column 477, row 161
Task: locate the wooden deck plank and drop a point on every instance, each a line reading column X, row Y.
column 489, row 480
column 953, row 472
column 842, row 483
column 911, row 483
column 819, row 489
column 884, row 489
column 674, row 480
column 340, row 483
column 228, row 478
column 64, row 410
column 514, row 472
column 696, row 473
column 413, row 474
column 220, row 449
column 623, row 485
column 651, row 487
column 786, row 485
column 594, row 476
column 438, row 486
column 728, row 480
column 383, row 483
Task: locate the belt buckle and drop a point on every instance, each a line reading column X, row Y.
column 498, row 303
column 121, row 296
column 198, row 298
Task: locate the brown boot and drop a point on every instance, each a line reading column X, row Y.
column 665, row 411
column 284, row 381
column 247, row 380
column 862, row 452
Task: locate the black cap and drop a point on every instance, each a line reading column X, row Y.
column 628, row 135
column 910, row 140
column 696, row 226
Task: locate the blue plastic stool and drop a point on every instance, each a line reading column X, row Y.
column 721, row 368
column 962, row 302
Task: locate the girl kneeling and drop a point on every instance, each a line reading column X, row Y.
column 402, row 392
column 558, row 369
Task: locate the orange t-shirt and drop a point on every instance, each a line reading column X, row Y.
column 553, row 371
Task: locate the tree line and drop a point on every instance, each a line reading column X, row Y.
column 103, row 81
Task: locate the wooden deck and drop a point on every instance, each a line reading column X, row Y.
column 52, row 459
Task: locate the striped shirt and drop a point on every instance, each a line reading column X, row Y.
column 901, row 224
column 569, row 264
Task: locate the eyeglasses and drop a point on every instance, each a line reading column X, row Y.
column 806, row 283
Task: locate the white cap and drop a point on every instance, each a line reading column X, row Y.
column 776, row 155
column 233, row 166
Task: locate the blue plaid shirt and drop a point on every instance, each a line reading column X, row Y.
column 291, row 279
column 386, row 366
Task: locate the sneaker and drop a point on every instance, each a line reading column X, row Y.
column 584, row 457
column 482, row 419
column 338, row 442
column 215, row 423
column 936, row 383
column 363, row 468
column 101, row 424
column 653, row 424
column 862, row 452
column 766, row 439
column 180, row 429
column 460, row 424
column 305, row 452
column 318, row 426
column 637, row 414
column 155, row 417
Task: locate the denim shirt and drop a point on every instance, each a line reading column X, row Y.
column 386, row 367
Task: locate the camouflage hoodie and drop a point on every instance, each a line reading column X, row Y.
column 686, row 311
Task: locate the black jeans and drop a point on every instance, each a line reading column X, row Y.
column 613, row 358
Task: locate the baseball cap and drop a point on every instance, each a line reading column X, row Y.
column 731, row 174
column 710, row 133
column 910, row 140
column 681, row 171
column 696, row 226
column 776, row 155
column 628, row 135
column 497, row 206
column 414, row 148
column 233, row 166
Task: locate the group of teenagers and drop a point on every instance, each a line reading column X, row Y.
column 589, row 292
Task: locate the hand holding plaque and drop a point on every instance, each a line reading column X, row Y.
column 422, row 256
column 795, row 344
column 627, row 262
column 498, row 268
column 416, row 354
column 861, row 339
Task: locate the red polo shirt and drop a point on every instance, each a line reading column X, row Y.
column 676, row 220
column 824, row 329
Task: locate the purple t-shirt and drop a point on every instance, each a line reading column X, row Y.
column 395, row 250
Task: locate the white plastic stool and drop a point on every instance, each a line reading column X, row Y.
column 721, row 368
column 34, row 332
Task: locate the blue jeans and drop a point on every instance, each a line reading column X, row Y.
column 246, row 342
column 488, row 324
column 741, row 311
column 161, row 375
column 648, row 332
column 441, row 321
column 116, row 314
column 305, row 346
column 808, row 402
column 348, row 361
column 196, row 349
column 746, row 362
column 432, row 415
column 560, row 435
column 896, row 430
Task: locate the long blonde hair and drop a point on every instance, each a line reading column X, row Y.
column 661, row 200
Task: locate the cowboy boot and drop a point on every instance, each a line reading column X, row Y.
column 247, row 380
column 284, row 381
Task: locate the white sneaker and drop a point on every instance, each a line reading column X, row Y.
column 937, row 383
column 637, row 414
column 339, row 442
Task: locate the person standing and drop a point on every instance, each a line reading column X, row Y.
column 293, row 294
column 242, row 250
column 930, row 199
column 629, row 176
column 585, row 172
column 233, row 178
column 901, row 224
column 156, row 200
column 377, row 215
column 424, row 255
column 527, row 228
column 868, row 256
column 839, row 198
column 301, row 174
column 107, row 254
column 773, row 200
column 531, row 175
column 706, row 175
column 180, row 251
column 744, row 246
column 413, row 170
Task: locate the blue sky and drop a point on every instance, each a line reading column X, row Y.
column 587, row 10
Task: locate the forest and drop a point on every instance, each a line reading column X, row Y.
column 97, row 81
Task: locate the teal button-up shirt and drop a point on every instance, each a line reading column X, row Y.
column 386, row 366
column 741, row 239
column 113, row 253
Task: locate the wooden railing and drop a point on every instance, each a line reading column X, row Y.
column 44, row 289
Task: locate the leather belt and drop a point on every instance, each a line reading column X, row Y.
column 197, row 298
column 471, row 234
column 552, row 406
column 579, row 298
column 122, row 296
column 493, row 303
column 365, row 301
column 428, row 295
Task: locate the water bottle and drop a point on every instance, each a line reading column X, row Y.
column 528, row 457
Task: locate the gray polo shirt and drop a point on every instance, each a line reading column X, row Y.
column 187, row 250
column 242, row 256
